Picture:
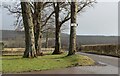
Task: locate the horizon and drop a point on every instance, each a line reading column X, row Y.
column 69, row 34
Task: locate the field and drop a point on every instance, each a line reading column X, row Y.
column 20, row 51
column 45, row 62
column 15, row 39
column 102, row 49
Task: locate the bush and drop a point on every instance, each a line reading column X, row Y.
column 1, row 45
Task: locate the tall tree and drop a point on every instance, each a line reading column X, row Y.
column 29, row 32
column 37, row 26
column 57, row 30
column 72, row 45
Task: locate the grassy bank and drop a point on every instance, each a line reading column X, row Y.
column 16, row 64
column 0, row 65
column 103, row 49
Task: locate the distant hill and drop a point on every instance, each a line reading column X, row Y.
column 81, row 39
column 88, row 40
column 10, row 34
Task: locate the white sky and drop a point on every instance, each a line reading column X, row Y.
column 0, row 16
column 102, row 19
column 108, row 0
column 63, row 0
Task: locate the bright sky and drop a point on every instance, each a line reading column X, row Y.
column 102, row 19
column 63, row 0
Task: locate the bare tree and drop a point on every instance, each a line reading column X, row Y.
column 63, row 9
column 57, row 29
column 37, row 26
column 29, row 32
column 36, row 11
column 72, row 45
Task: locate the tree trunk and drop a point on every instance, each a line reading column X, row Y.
column 57, row 31
column 29, row 32
column 57, row 42
column 72, row 45
column 38, row 34
column 46, row 44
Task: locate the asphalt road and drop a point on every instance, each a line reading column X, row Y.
column 107, row 60
column 103, row 59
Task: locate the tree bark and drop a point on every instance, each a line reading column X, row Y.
column 29, row 32
column 72, row 45
column 38, row 34
column 57, row 30
column 47, row 37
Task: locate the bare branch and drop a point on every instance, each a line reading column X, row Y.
column 48, row 18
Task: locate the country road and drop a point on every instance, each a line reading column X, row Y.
column 107, row 60
column 104, row 59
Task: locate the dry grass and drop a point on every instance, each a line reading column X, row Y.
column 23, row 49
column 20, row 51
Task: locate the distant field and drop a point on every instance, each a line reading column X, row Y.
column 23, row 49
column 20, row 51
column 102, row 49
column 16, row 39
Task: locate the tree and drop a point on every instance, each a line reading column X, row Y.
column 72, row 45
column 37, row 26
column 64, row 8
column 36, row 9
column 57, row 29
column 29, row 31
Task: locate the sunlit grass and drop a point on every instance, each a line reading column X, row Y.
column 13, row 64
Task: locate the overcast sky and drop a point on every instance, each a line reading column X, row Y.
column 102, row 19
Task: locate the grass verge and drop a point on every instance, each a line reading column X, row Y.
column 0, row 65
column 16, row 64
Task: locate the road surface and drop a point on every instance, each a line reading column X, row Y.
column 101, row 58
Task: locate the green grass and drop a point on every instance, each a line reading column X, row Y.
column 16, row 64
column 0, row 65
